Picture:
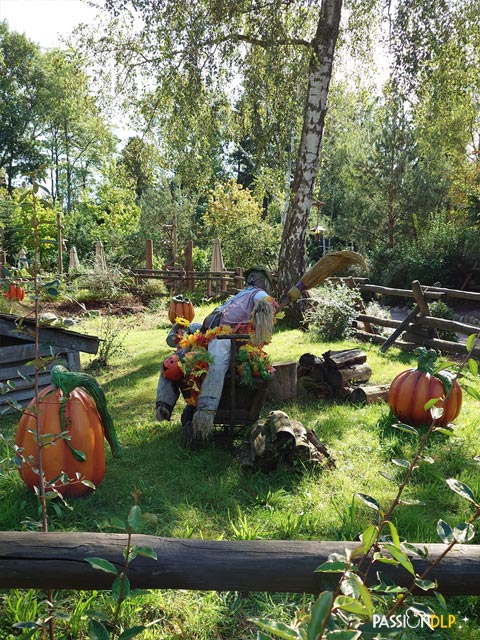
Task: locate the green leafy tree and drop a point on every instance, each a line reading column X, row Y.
column 236, row 218
column 22, row 108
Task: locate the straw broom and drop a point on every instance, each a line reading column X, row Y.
column 321, row 270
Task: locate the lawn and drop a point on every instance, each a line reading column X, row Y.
column 205, row 494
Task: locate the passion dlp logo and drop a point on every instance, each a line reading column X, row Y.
column 414, row 619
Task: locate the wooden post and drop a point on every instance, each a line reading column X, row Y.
column 238, row 278
column 350, row 282
column 149, row 254
column 283, row 385
column 189, row 280
column 3, row 257
column 422, row 305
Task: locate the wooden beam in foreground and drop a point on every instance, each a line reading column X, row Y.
column 57, row 560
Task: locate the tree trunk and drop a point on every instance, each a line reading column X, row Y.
column 292, row 253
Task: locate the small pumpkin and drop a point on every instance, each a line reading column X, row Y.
column 171, row 368
column 413, row 388
column 84, row 426
column 180, row 307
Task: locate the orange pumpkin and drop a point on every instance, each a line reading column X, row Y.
column 84, row 426
column 412, row 389
column 180, row 307
column 171, row 369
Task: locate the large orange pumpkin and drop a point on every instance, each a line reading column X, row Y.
column 180, row 307
column 412, row 389
column 84, row 426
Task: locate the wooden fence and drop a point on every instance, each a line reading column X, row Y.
column 418, row 327
column 56, row 560
column 178, row 280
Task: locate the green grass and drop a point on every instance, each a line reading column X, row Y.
column 205, row 493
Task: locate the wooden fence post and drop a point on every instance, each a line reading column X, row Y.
column 189, row 280
column 149, row 254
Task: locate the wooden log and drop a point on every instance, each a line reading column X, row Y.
column 376, row 339
column 366, row 394
column 422, row 304
column 308, row 360
column 343, row 377
column 449, row 325
column 56, row 560
column 344, row 358
column 400, row 329
column 431, row 293
column 283, row 385
column 382, row 322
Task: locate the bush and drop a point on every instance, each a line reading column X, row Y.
column 331, row 313
column 439, row 309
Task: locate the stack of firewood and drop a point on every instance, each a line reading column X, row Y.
column 339, row 375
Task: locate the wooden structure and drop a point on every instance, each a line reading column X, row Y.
column 418, row 328
column 17, row 355
column 56, row 560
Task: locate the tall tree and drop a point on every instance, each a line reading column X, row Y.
column 208, row 42
column 22, row 107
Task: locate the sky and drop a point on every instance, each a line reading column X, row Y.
column 45, row 21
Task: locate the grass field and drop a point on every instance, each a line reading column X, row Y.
column 204, row 494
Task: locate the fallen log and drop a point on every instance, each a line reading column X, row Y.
column 367, row 394
column 56, row 560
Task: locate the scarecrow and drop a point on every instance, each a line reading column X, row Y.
column 252, row 312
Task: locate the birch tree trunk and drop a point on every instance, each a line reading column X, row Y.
column 292, row 253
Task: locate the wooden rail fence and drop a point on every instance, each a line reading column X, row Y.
column 178, row 280
column 56, row 560
column 419, row 327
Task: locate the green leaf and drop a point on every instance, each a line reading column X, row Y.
column 147, row 552
column 368, row 538
column 471, row 341
column 445, row 430
column 421, row 552
column 88, row 483
column 473, row 366
column 394, row 534
column 332, row 567
column 431, row 403
column 344, row 634
column 441, row 600
column 444, row 531
column 369, row 501
column 425, row 585
column 131, row 633
column 401, row 557
column 472, row 392
column 135, row 517
column 80, row 456
column 437, row 412
column 463, row 532
column 319, row 614
column 121, row 588
column 116, row 523
column 278, row 629
column 102, row 565
column 400, row 462
column 405, row 427
column 346, row 603
column 97, row 631
column 461, row 489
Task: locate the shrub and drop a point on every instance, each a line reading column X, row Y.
column 439, row 309
column 331, row 313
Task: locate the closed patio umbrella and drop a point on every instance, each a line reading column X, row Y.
column 216, row 263
column 74, row 262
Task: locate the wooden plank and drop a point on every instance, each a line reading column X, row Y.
column 283, row 385
column 10, row 373
column 21, row 353
column 49, row 335
column 56, row 560
column 400, row 329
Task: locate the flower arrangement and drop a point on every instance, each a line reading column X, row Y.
column 196, row 359
column 253, row 363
